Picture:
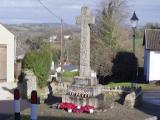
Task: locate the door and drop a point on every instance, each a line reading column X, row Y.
column 3, row 63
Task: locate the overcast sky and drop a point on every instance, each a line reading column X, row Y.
column 29, row 11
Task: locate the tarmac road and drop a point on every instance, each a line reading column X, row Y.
column 7, row 108
column 152, row 97
column 149, row 98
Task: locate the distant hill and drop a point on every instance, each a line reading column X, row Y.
column 38, row 32
column 44, row 30
column 39, row 26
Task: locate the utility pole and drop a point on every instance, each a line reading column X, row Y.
column 61, row 59
column 61, row 19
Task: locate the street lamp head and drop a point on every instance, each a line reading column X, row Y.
column 134, row 20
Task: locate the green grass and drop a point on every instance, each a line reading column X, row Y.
column 139, row 41
column 69, row 74
column 144, row 86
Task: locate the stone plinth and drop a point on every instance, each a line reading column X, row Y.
column 83, row 91
column 85, row 80
column 82, row 101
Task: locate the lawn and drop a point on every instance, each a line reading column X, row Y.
column 144, row 86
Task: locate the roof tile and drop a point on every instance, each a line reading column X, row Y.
column 152, row 39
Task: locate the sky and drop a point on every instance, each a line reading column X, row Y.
column 30, row 11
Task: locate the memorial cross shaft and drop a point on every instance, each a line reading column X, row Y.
column 85, row 20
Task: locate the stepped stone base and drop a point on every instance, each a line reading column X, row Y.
column 83, row 91
column 81, row 101
column 85, row 81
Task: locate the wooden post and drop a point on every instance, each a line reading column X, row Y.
column 34, row 105
column 61, row 59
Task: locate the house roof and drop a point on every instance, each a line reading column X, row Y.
column 69, row 67
column 152, row 39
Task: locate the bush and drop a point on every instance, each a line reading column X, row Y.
column 39, row 61
column 125, row 67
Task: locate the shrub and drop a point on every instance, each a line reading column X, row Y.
column 125, row 67
column 39, row 61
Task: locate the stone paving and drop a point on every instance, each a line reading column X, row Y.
column 6, row 90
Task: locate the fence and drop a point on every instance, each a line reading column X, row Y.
column 119, row 89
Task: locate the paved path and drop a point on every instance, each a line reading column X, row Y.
column 6, row 90
column 6, row 100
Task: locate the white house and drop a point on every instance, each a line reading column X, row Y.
column 7, row 55
column 67, row 37
column 151, row 44
column 52, row 38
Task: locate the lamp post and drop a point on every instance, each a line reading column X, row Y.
column 134, row 21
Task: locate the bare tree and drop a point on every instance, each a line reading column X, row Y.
column 108, row 35
column 110, row 18
column 152, row 26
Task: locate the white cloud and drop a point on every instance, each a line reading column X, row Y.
column 18, row 3
column 71, row 6
column 51, row 3
column 147, row 10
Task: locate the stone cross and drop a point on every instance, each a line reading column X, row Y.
column 85, row 20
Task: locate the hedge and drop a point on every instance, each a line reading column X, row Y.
column 39, row 61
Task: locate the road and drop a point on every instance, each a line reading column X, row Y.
column 152, row 97
column 151, row 103
column 7, row 108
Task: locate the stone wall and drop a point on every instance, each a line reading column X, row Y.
column 134, row 98
column 17, row 69
column 118, row 89
column 59, row 88
column 29, row 83
column 129, row 97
